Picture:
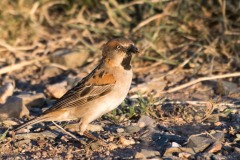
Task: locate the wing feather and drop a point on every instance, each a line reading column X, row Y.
column 95, row 85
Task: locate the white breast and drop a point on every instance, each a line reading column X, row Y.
column 120, row 90
column 113, row 99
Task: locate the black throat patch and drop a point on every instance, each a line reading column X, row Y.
column 126, row 63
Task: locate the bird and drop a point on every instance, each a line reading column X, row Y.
column 100, row 92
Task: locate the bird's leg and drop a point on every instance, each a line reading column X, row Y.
column 83, row 131
column 91, row 136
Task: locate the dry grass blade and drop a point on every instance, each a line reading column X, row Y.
column 7, row 46
column 120, row 11
column 147, row 21
column 2, row 136
column 165, row 13
column 210, row 108
column 196, row 103
column 20, row 65
column 111, row 14
column 46, row 8
column 237, row 74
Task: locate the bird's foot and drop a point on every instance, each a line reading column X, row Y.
column 91, row 136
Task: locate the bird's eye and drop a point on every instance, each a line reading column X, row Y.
column 118, row 47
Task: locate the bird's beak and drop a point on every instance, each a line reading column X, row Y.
column 133, row 49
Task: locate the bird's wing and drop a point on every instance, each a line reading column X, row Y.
column 95, row 85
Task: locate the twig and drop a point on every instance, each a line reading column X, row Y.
column 196, row 103
column 236, row 74
column 20, row 65
column 68, row 133
column 7, row 46
column 208, row 112
column 123, row 6
column 147, row 68
column 145, row 22
column 40, row 135
column 174, row 70
column 62, row 67
column 166, row 12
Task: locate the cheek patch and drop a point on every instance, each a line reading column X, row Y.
column 126, row 62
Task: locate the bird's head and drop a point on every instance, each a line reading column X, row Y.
column 118, row 52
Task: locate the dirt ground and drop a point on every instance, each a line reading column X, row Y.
column 184, row 101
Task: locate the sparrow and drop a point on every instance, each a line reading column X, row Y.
column 100, row 92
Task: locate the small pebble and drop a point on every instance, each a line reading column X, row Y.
column 44, row 154
column 174, row 144
column 120, row 130
column 126, row 142
column 139, row 156
column 111, row 138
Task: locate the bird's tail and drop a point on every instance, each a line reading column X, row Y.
column 31, row 122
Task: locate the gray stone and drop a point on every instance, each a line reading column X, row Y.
column 13, row 108
column 72, row 81
column 57, row 90
column 33, row 100
column 70, row 59
column 199, row 140
column 51, row 71
column 149, row 153
column 204, row 139
column 5, row 91
column 225, row 87
column 145, row 121
column 132, row 129
column 35, row 136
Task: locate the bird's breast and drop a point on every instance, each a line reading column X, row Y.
column 113, row 99
column 121, row 88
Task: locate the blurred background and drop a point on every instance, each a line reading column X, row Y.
column 201, row 38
